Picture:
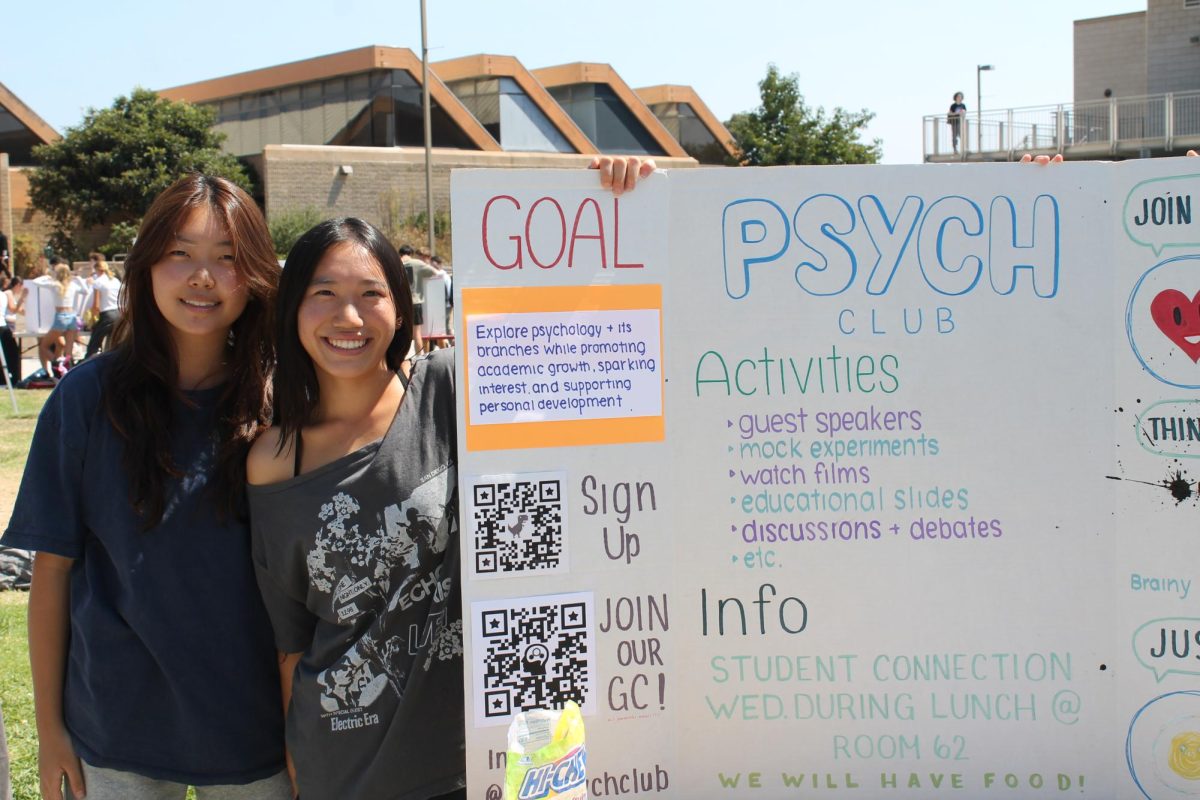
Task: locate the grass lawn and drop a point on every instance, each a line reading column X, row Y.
column 16, row 691
column 16, row 696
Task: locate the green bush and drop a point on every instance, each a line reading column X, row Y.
column 441, row 223
column 63, row 245
column 120, row 238
column 24, row 254
column 401, row 224
column 288, row 226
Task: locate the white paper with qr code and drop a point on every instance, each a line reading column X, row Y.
column 515, row 524
column 532, row 652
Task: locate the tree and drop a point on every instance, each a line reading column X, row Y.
column 109, row 168
column 784, row 130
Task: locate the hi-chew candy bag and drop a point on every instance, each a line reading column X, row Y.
column 546, row 755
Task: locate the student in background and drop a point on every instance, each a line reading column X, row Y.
column 8, row 340
column 64, row 329
column 16, row 291
column 102, row 302
column 417, row 272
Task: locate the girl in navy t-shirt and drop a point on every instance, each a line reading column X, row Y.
column 153, row 666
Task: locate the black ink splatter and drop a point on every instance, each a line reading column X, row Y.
column 1179, row 487
column 1175, row 483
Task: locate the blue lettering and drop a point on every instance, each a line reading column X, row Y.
column 889, row 248
column 945, row 320
column 837, row 267
column 932, row 246
column 1040, row 256
column 762, row 235
column 954, row 244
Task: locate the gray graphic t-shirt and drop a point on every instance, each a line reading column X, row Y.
column 358, row 564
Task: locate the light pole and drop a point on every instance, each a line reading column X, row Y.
column 428, row 133
column 979, row 70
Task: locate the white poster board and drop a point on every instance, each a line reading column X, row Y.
column 868, row 481
column 42, row 301
column 40, row 305
column 436, row 319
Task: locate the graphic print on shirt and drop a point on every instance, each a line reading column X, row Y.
column 387, row 572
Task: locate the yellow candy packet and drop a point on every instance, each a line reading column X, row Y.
column 546, row 755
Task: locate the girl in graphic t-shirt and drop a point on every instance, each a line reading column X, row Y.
column 368, row 617
column 353, row 502
column 152, row 661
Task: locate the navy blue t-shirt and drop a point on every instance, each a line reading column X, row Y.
column 171, row 670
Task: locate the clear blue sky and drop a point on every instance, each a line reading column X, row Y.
column 899, row 60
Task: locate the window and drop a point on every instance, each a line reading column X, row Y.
column 510, row 115
column 689, row 130
column 16, row 139
column 601, row 115
column 380, row 108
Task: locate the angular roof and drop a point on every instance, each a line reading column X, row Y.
column 673, row 93
column 581, row 72
column 26, row 116
column 348, row 62
column 509, row 67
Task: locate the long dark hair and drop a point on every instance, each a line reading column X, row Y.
column 297, row 393
column 143, row 379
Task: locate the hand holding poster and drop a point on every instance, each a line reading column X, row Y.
column 855, row 479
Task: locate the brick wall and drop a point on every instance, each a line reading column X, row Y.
column 385, row 182
column 27, row 219
column 6, row 215
column 17, row 215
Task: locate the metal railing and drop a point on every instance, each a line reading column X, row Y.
column 1094, row 129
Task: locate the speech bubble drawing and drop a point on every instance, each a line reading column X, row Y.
column 1160, row 213
column 1168, row 645
column 1166, row 429
column 1163, row 329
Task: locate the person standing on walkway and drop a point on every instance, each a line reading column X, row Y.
column 958, row 112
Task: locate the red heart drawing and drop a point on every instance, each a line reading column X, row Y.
column 1179, row 320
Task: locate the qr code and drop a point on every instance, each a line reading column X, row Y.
column 517, row 524
column 533, row 653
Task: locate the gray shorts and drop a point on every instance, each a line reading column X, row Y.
column 111, row 784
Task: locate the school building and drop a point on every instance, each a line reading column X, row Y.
column 344, row 133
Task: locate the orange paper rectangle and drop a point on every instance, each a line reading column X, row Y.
column 482, row 302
